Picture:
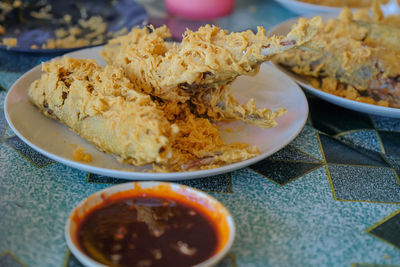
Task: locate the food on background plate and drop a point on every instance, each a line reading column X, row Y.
column 162, row 108
column 77, row 30
column 355, row 56
column 79, row 154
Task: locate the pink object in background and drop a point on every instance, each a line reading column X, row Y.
column 200, row 9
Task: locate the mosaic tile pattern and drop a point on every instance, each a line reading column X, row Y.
column 228, row 261
column 101, row 179
column 291, row 153
column 219, row 183
column 333, row 120
column 282, row 172
column 372, row 265
column 365, row 184
column 3, row 125
column 286, row 165
column 71, row 261
column 388, row 229
column 394, row 161
column 366, row 139
column 386, row 123
column 8, row 260
column 27, row 152
column 300, row 224
column 391, row 143
column 308, row 142
column 337, row 152
column 7, row 79
column 8, row 132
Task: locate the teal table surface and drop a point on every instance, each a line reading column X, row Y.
column 329, row 198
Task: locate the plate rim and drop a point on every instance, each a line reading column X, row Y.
column 304, row 8
column 333, row 99
column 161, row 176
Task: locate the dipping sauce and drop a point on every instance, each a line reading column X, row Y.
column 147, row 231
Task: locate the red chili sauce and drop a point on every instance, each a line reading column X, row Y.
column 147, row 231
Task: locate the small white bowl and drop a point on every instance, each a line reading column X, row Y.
column 219, row 215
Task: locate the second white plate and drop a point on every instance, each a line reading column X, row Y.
column 270, row 88
column 305, row 9
column 284, row 28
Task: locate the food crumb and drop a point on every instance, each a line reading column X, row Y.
column 184, row 248
column 9, row 42
column 79, row 154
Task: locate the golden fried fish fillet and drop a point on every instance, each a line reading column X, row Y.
column 359, row 52
column 102, row 107
column 200, row 69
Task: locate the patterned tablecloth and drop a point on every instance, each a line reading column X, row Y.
column 329, row 198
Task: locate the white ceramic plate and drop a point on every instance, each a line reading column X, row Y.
column 303, row 8
column 284, row 28
column 270, row 88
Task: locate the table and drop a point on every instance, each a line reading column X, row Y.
column 329, row 198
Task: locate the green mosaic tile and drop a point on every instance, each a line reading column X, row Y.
column 336, row 152
column 72, row 261
column 307, row 142
column 372, row 265
column 101, row 179
column 388, row 230
column 8, row 78
column 332, row 119
column 283, row 172
column 3, row 125
column 219, row 183
column 8, row 132
column 9, row 260
column 228, row 261
column 300, row 224
column 386, row 123
column 391, row 142
column 290, row 153
column 365, row 184
column 394, row 161
column 367, row 139
column 29, row 153
column 3, row 95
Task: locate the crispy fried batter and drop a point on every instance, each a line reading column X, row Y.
column 358, row 50
column 162, row 113
column 201, row 68
column 102, row 106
